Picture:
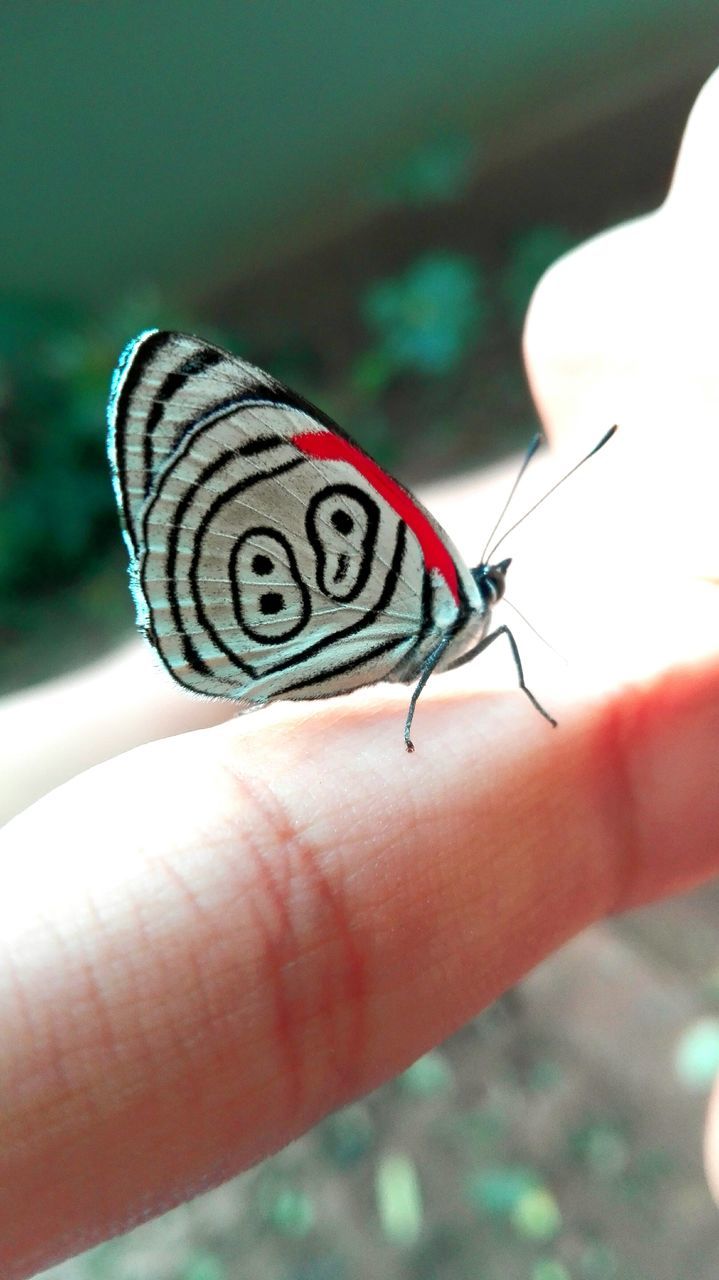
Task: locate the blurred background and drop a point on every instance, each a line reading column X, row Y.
column 361, row 199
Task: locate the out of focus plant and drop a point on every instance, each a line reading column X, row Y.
column 497, row 1190
column 438, row 170
column 56, row 507
column 431, row 1074
column 325, row 1266
column 599, row 1262
column 283, row 1205
column 544, row 1075
column 347, row 1135
column 548, row 1269
column 423, row 321
column 57, row 512
column 601, row 1146
column 536, row 1215
column 205, row 1266
column 517, row 1196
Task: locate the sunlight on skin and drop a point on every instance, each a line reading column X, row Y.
column 624, row 329
column 53, row 731
column 645, row 352
column 216, row 938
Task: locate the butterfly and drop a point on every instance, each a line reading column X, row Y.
column 270, row 556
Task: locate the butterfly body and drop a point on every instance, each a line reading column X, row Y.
column 270, row 557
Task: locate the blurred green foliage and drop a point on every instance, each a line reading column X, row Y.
column 599, row 1262
column 536, row 1215
column 424, row 320
column 57, row 515
column 282, row 1205
column 325, row 1266
column 205, row 1266
column 547, row 1269
column 437, row 171
column 431, row 1074
column 54, row 514
column 498, row 1190
column 346, row 1136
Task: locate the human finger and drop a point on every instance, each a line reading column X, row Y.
column 54, row 730
column 211, row 941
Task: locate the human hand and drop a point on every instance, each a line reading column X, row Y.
column 214, row 939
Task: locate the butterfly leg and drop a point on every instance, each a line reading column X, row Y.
column 428, row 667
column 484, row 644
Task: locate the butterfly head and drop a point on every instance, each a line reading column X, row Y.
column 490, row 580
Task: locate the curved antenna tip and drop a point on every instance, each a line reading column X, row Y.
column 607, row 436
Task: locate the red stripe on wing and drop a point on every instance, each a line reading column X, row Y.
column 328, row 447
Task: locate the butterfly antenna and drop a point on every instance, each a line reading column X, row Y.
column 538, row 634
column 607, row 436
column 531, row 450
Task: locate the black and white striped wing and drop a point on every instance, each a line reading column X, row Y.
column 267, row 559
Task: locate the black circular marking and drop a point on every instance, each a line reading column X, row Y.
column 342, row 521
column 334, row 571
column 271, row 602
column 262, row 565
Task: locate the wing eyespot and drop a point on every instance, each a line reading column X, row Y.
column 342, row 523
column 270, row 600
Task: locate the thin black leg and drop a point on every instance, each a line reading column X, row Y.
column 428, row 667
column 484, row 644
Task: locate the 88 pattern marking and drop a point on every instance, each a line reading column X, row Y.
column 270, row 557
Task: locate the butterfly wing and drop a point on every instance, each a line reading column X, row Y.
column 270, row 557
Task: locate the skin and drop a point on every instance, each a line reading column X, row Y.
column 213, row 939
